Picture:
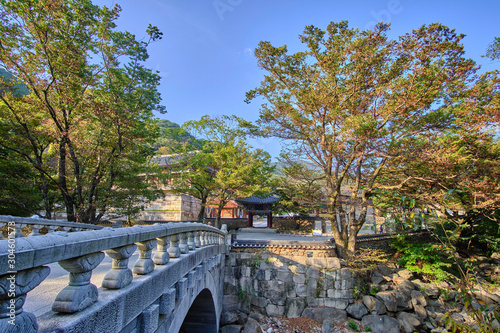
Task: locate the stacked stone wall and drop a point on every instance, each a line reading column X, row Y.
column 285, row 282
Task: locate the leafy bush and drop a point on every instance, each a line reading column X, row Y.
column 427, row 259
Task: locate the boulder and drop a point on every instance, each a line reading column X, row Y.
column 252, row 326
column 374, row 305
column 230, row 329
column 357, row 310
column 228, row 317
column 381, row 324
column 408, row 321
column 320, row 314
column 294, row 307
column 275, row 310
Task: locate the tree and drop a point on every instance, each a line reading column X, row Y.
column 225, row 168
column 493, row 51
column 300, row 187
column 87, row 117
column 354, row 99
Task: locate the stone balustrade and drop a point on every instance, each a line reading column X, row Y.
column 37, row 224
column 23, row 262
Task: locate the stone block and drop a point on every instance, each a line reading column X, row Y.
column 299, row 278
column 357, row 310
column 336, row 293
column 231, row 329
column 374, row 305
column 275, row 310
column 294, row 307
column 340, row 304
column 321, row 314
column 167, row 302
column 381, row 324
column 150, row 318
column 408, row 321
column 181, row 288
column 285, row 276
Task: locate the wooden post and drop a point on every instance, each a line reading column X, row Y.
column 250, row 219
column 270, row 219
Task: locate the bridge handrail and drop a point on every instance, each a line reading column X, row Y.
column 37, row 251
column 22, row 261
column 51, row 225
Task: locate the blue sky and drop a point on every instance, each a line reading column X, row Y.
column 206, row 55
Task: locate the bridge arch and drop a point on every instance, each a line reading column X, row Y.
column 200, row 309
column 202, row 315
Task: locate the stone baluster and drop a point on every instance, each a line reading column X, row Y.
column 13, row 290
column 35, row 230
column 183, row 246
column 79, row 293
column 120, row 275
column 65, row 229
column 76, row 229
column 50, row 228
column 162, row 257
column 197, row 242
column 205, row 238
column 190, row 241
column 174, row 250
column 18, row 227
column 144, row 265
column 2, row 224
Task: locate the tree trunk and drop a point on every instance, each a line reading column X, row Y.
column 201, row 213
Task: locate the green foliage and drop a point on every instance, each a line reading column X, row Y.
column 493, row 51
column 353, row 101
column 173, row 139
column 225, row 168
column 353, row 325
column 78, row 105
column 245, row 294
column 429, row 260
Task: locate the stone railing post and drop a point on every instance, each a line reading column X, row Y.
column 50, row 228
column 13, row 290
column 190, row 241
column 35, row 230
column 144, row 265
column 174, row 250
column 183, row 245
column 18, row 227
column 197, row 242
column 120, row 275
column 162, row 257
column 79, row 293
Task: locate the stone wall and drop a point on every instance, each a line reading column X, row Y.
column 172, row 208
column 285, row 284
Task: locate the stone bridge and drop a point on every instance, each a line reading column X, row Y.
column 175, row 284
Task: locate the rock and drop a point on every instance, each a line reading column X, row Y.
column 320, row 314
column 374, row 305
column 394, row 300
column 405, row 274
column 406, row 287
column 294, row 307
column 228, row 317
column 257, row 316
column 430, row 290
column 485, row 296
column 357, row 310
column 384, row 270
column 417, row 298
column 327, row 326
column 275, row 310
column 377, row 278
column 230, row 329
column 408, row 321
column 420, row 311
column 381, row 324
column 252, row 326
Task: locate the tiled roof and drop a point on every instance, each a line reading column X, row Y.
column 256, row 200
